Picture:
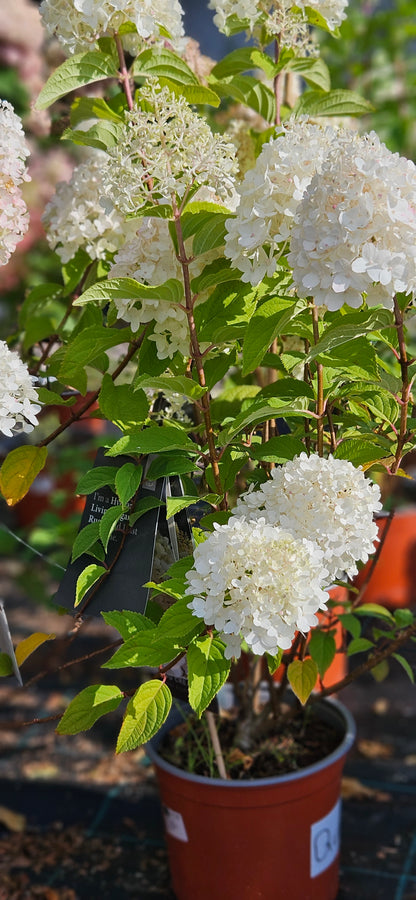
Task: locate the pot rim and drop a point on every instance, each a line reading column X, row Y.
column 336, row 711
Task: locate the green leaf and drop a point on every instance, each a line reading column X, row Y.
column 235, row 63
column 143, row 649
column 128, row 480
column 405, row 665
column 178, row 384
column 79, row 70
column 85, row 349
column 19, row 471
column 210, row 233
column 216, row 272
column 85, row 539
column 93, row 702
column 143, row 506
column 322, row 649
column 6, row 665
column 273, row 662
column 175, row 504
column 92, row 108
column 302, row 675
column 278, row 449
column 351, row 624
column 207, row 671
column 318, row 21
column 127, row 622
column 88, row 577
column 269, row 320
column 145, row 714
column 108, row 524
column 359, row 645
column 314, row 71
column 74, row 269
column 353, row 326
column 249, row 91
column 170, row 464
column 164, row 63
column 179, row 622
column 374, row 609
column 403, row 617
column 332, row 103
column 155, row 439
column 130, row 289
column 260, row 412
column 102, row 136
column 362, row 451
column 122, row 404
column 97, row 478
column 195, row 94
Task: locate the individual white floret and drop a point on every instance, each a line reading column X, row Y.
column 19, row 402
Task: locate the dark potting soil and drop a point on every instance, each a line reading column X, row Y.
column 301, row 740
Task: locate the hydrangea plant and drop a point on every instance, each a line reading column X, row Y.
column 232, row 256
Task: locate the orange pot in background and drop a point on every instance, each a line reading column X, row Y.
column 393, row 578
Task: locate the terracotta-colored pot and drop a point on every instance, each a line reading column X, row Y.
column 393, row 577
column 266, row 839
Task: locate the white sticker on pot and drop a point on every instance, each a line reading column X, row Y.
column 325, row 841
column 174, row 824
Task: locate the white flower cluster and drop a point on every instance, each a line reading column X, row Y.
column 355, row 228
column 75, row 217
column 328, row 501
column 79, row 23
column 14, row 219
column 277, row 13
column 167, row 149
column 149, row 257
column 263, row 575
column 258, row 582
column 19, row 402
column 270, row 194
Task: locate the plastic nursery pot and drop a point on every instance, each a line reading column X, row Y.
column 265, row 839
column 392, row 582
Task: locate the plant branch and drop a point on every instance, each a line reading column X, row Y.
column 124, row 75
column 320, row 405
column 406, row 387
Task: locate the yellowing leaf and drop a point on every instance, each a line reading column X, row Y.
column 302, row 675
column 30, row 644
column 12, row 820
column 19, row 471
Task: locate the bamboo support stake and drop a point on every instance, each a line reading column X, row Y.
column 216, row 745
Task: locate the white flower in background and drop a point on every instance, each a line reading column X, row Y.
column 75, row 217
column 166, row 150
column 78, row 24
column 254, row 581
column 14, row 219
column 280, row 17
column 355, row 228
column 19, row 402
column 270, row 194
column 328, row 501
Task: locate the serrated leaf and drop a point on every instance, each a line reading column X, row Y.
column 170, row 464
column 6, row 665
column 143, row 506
column 234, row 63
column 164, row 63
column 128, row 480
column 179, row 623
column 322, row 649
column 127, row 622
column 85, row 349
column 351, row 624
column 145, row 714
column 175, row 504
column 155, row 439
column 249, row 91
column 302, row 675
column 88, row 577
column 314, row 71
column 332, row 103
column 405, row 665
column 130, row 289
column 121, row 404
column 108, row 524
column 79, row 70
column 97, row 478
column 143, row 649
column 374, row 609
column 179, row 384
column 92, row 108
column 278, row 449
column 85, row 539
column 93, row 702
column 102, row 135
column 353, row 326
column 194, row 94
column 19, row 471
column 359, row 645
column 269, row 320
column 211, row 234
column 207, row 671
column 274, row 661
column 260, row 412
column 361, row 451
